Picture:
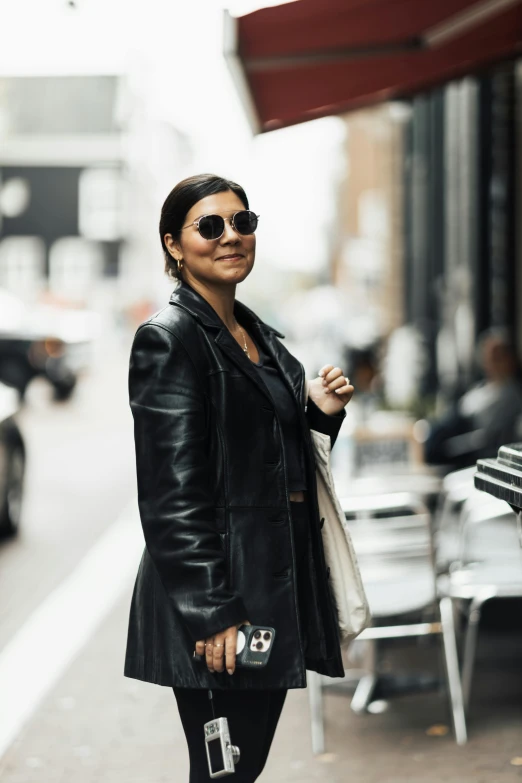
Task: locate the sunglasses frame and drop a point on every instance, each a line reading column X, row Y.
column 231, row 219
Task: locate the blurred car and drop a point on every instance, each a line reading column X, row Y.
column 12, row 462
column 44, row 340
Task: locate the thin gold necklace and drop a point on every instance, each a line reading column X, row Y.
column 245, row 346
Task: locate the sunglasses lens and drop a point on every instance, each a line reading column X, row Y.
column 245, row 222
column 211, row 226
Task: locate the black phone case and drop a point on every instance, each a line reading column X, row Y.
column 251, row 659
column 247, row 658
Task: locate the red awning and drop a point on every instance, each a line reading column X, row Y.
column 311, row 58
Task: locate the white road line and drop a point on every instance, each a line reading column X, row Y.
column 33, row 660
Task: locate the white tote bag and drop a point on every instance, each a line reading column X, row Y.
column 345, row 577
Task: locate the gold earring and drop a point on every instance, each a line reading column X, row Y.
column 179, row 262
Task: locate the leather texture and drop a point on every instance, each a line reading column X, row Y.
column 214, row 504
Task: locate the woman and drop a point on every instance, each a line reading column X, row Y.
column 226, row 486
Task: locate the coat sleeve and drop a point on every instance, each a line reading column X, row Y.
column 173, row 472
column 324, row 422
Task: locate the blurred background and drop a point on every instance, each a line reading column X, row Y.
column 388, row 135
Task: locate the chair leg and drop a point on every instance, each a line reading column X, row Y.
column 315, row 698
column 363, row 693
column 366, row 686
column 452, row 670
column 470, row 647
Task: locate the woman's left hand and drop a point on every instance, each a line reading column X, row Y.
column 331, row 391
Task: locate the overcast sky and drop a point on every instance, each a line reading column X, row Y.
column 176, row 49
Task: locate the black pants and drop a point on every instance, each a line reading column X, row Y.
column 252, row 715
column 252, row 720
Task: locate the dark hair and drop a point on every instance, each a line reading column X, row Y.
column 180, row 201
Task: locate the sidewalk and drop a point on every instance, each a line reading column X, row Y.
column 97, row 726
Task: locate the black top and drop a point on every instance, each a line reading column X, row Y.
column 287, row 414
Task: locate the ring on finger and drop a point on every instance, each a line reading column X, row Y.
column 218, row 645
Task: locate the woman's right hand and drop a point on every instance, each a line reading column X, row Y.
column 220, row 649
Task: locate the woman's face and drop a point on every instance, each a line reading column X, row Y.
column 228, row 259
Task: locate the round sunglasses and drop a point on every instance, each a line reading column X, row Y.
column 213, row 226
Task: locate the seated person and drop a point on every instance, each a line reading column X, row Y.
column 487, row 416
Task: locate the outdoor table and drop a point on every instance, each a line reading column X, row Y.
column 502, row 477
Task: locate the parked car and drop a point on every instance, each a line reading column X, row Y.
column 12, row 462
column 44, row 340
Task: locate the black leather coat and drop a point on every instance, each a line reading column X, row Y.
column 213, row 500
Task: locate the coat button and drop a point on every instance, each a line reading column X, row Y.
column 321, row 523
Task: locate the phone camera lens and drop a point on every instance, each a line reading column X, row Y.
column 259, row 645
column 266, row 635
column 257, row 635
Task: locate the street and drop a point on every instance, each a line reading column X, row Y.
column 77, row 718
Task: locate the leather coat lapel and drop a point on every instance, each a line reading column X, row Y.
column 236, row 354
column 185, row 296
column 293, row 373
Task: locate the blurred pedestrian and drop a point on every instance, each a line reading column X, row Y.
column 487, row 416
column 363, row 364
column 226, row 486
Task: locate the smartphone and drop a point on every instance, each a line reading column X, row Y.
column 254, row 645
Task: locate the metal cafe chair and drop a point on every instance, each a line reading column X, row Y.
column 485, row 532
column 423, row 484
column 458, row 498
column 489, row 566
column 456, row 487
column 391, row 535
